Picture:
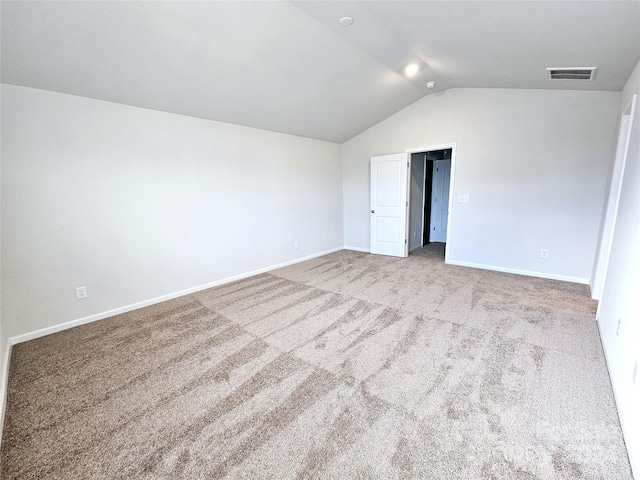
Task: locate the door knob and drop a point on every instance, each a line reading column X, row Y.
column 373, row 211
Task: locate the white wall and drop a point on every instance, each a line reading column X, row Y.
column 620, row 299
column 534, row 163
column 416, row 202
column 135, row 204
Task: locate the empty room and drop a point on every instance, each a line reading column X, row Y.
column 320, row 239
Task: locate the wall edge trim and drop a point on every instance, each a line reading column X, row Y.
column 4, row 374
column 4, row 383
column 356, row 249
column 527, row 273
column 162, row 298
column 633, row 462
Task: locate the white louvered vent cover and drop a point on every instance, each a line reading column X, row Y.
column 572, row 73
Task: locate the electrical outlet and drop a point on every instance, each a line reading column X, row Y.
column 81, row 292
column 295, row 245
column 463, row 198
column 544, row 253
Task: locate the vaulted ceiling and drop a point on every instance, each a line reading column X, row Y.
column 291, row 67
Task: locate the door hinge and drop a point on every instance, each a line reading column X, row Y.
column 407, row 204
column 405, row 241
column 407, row 164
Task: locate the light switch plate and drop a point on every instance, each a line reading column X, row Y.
column 463, row 198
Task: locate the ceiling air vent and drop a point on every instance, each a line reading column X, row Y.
column 572, row 73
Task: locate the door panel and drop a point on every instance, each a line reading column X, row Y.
column 389, row 204
column 387, row 183
column 440, row 200
column 387, row 229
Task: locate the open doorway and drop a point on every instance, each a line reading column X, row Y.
column 430, row 185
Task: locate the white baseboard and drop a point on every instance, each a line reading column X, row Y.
column 634, row 457
column 4, row 382
column 4, row 374
column 357, row 249
column 528, row 273
column 152, row 301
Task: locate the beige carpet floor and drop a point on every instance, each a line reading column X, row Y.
column 348, row 366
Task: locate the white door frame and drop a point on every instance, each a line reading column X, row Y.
column 431, row 148
column 611, row 212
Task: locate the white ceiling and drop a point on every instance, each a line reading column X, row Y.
column 290, row 67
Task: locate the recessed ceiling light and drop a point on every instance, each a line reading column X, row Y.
column 411, row 69
column 346, row 21
column 431, row 84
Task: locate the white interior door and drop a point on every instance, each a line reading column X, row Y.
column 389, row 204
column 440, row 200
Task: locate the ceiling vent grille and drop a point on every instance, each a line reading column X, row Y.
column 572, row 73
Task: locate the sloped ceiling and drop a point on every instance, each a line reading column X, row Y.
column 290, row 67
